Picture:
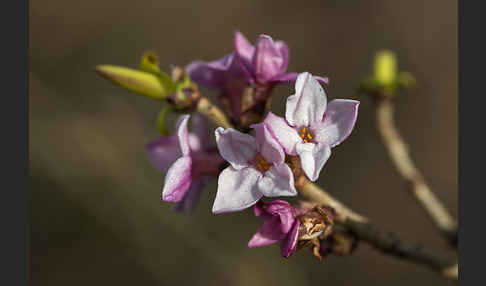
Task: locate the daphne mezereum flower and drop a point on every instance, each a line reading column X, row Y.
column 312, row 126
column 263, row 64
column 225, row 74
column 189, row 160
column 257, row 169
column 280, row 224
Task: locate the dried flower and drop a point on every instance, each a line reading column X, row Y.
column 316, row 225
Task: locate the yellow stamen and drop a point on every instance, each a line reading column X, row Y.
column 306, row 135
column 261, row 163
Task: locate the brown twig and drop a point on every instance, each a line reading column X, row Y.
column 389, row 243
column 316, row 194
column 399, row 154
column 385, row 242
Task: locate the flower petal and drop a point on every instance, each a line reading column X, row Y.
column 289, row 245
column 259, row 209
column 237, row 190
column 322, row 79
column 201, row 131
column 244, row 50
column 183, row 134
column 284, row 210
column 291, row 77
column 338, row 122
column 267, row 59
column 163, row 152
column 283, row 133
column 277, row 181
column 268, row 233
column 192, row 196
column 282, row 47
column 235, row 147
column 308, row 103
column 210, row 74
column 312, row 158
column 177, row 180
column 269, row 147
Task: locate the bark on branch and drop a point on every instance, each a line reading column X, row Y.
column 385, row 242
column 398, row 151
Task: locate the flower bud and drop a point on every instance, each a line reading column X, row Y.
column 150, row 62
column 186, row 91
column 136, row 81
column 385, row 68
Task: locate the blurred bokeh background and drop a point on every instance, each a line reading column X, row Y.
column 96, row 215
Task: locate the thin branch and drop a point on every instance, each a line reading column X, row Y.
column 385, row 242
column 359, row 225
column 399, row 154
column 206, row 108
column 316, row 194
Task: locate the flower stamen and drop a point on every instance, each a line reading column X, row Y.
column 262, row 164
column 306, row 135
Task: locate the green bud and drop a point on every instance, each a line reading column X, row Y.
column 136, row 81
column 150, row 62
column 385, row 68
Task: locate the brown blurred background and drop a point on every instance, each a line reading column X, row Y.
column 96, row 216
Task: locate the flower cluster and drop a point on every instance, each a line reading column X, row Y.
column 257, row 157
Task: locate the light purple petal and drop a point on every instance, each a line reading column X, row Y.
column 163, row 152
column 282, row 47
column 210, row 74
column 177, row 180
column 312, row 158
column 200, row 129
column 192, row 196
column 244, row 50
column 338, row 122
column 237, row 190
column 269, row 146
column 235, row 147
column 322, row 79
column 277, row 181
column 268, row 233
column 183, row 134
column 285, row 135
column 289, row 245
column 308, row 104
column 266, row 60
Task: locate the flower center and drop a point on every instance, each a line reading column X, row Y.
column 262, row 164
column 306, row 135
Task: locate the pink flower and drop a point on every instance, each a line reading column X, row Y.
column 279, row 225
column 263, row 64
column 189, row 160
column 311, row 126
column 257, row 169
